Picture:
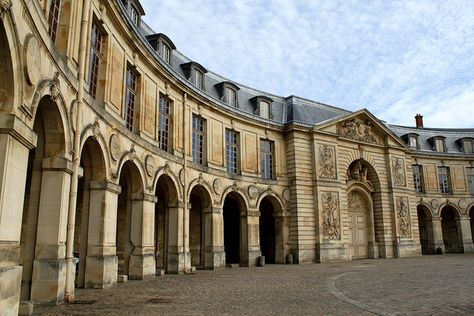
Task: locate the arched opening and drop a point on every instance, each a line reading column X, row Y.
column 198, row 218
column 449, row 226
column 234, row 239
column 425, row 226
column 131, row 184
column 365, row 221
column 272, row 230
column 93, row 166
column 167, row 196
column 50, row 144
column 6, row 69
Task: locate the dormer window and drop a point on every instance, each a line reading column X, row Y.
column 438, row 144
column 413, row 141
column 135, row 11
column 194, row 72
column 262, row 106
column 228, row 93
column 162, row 45
column 466, row 144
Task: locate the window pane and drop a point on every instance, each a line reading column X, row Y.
column 164, row 121
column 439, row 143
column 467, row 144
column 53, row 20
column 418, row 178
column 444, row 184
column 198, row 140
column 232, row 151
column 266, row 159
column 94, row 59
column 130, row 93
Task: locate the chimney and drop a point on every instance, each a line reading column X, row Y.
column 419, row 121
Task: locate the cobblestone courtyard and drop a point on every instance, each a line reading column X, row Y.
column 428, row 285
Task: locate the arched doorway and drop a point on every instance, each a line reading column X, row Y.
column 50, row 145
column 364, row 204
column 425, row 226
column 449, row 226
column 235, row 241
column 131, row 184
column 272, row 230
column 93, row 166
column 6, row 69
column 199, row 228
column 167, row 196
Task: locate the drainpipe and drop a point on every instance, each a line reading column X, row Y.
column 185, row 183
column 70, row 275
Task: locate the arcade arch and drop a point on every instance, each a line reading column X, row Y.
column 273, row 230
column 200, row 226
column 425, row 225
column 450, row 229
column 235, row 228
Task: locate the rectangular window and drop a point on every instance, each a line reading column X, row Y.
column 230, row 97
column 134, row 15
column 199, row 138
column 166, row 53
column 130, row 96
column 470, row 179
column 94, row 59
column 267, row 155
column 264, row 109
column 439, row 145
column 232, row 151
column 164, row 123
column 418, row 178
column 198, row 79
column 413, row 142
column 53, row 20
column 444, row 183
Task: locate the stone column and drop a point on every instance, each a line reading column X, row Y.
column 176, row 255
column 437, row 235
column 142, row 234
column 49, row 266
column 282, row 229
column 465, row 234
column 101, row 261
column 16, row 139
column 250, row 240
column 214, row 253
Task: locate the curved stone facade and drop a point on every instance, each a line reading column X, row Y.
column 121, row 158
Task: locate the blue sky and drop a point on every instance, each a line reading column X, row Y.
column 395, row 58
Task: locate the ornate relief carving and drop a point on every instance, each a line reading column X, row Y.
column 5, row 5
column 358, row 130
column 358, row 172
column 327, row 162
column 115, row 149
column 182, row 173
column 54, row 87
column 435, row 203
column 150, row 165
column 252, row 191
column 355, row 202
column 403, row 215
column 330, row 216
column 286, row 194
column 96, row 128
column 217, row 186
column 32, row 58
column 463, row 204
column 398, row 168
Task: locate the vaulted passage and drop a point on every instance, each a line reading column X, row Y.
column 267, row 230
column 449, row 225
column 232, row 229
column 199, row 225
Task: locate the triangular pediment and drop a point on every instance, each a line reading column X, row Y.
column 361, row 126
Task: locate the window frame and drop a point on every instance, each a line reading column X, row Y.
column 131, row 93
column 199, row 138
column 95, row 57
column 444, row 180
column 165, row 124
column 470, row 179
column 165, row 53
column 234, row 149
column 54, row 19
column 418, row 181
column 267, row 169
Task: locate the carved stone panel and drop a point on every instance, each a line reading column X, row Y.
column 252, row 191
column 398, row 169
column 330, row 215
column 115, row 149
column 403, row 216
column 327, row 162
column 359, row 130
column 218, row 186
column 150, row 165
column 32, row 58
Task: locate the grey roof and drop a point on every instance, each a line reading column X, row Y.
column 424, row 134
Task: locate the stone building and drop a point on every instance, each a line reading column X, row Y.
column 121, row 158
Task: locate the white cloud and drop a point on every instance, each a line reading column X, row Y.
column 395, row 58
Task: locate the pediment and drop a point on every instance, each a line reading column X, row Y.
column 361, row 126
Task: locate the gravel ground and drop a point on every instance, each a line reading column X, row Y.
column 428, row 285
